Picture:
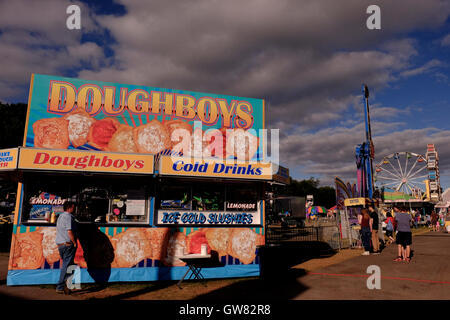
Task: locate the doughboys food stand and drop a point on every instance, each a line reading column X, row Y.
column 155, row 174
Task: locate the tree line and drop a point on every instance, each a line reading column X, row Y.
column 323, row 196
column 12, row 124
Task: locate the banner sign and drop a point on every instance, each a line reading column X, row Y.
column 91, row 161
column 356, row 202
column 184, row 166
column 66, row 113
column 44, row 204
column 214, row 218
column 8, row 159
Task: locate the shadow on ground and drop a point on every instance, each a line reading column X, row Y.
column 278, row 280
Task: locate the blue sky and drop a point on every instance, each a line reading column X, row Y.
column 308, row 59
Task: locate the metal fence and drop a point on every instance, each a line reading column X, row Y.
column 318, row 235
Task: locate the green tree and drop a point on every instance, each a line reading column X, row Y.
column 12, row 127
column 12, row 124
column 323, row 196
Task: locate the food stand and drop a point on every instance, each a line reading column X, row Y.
column 141, row 201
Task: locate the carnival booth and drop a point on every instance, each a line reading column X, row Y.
column 156, row 174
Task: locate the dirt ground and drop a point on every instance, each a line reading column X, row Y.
column 167, row 290
column 192, row 289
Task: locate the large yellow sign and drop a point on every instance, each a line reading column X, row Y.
column 8, row 159
column 185, row 166
column 71, row 160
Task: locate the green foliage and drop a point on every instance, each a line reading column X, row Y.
column 323, row 196
column 12, row 124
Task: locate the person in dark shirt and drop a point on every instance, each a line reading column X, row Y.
column 434, row 220
column 404, row 236
column 374, row 226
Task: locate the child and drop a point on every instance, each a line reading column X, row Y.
column 390, row 227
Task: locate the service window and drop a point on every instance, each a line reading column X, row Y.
column 241, row 198
column 175, row 197
column 97, row 199
column 42, row 198
column 128, row 205
column 208, row 197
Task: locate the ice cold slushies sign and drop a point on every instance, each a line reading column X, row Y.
column 166, row 217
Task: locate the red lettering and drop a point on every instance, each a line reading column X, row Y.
column 37, row 159
column 93, row 159
column 139, row 164
column 55, row 160
column 129, row 164
column 118, row 163
column 106, row 162
column 66, row 161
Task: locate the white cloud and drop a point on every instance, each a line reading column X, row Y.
column 427, row 67
column 34, row 39
column 445, row 42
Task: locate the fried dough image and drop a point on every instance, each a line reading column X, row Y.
column 242, row 144
column 176, row 247
column 178, row 130
column 242, row 245
column 101, row 132
column 260, row 240
column 27, row 251
column 217, row 142
column 130, row 248
column 79, row 124
column 199, row 146
column 159, row 238
column 218, row 239
column 195, row 241
column 79, row 257
column 123, row 140
column 152, row 137
column 49, row 247
column 52, row 133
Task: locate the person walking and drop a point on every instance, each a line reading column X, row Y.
column 404, row 235
column 416, row 219
column 66, row 240
column 374, row 222
column 434, row 220
column 390, row 227
column 428, row 219
column 366, row 231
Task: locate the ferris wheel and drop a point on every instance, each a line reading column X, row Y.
column 404, row 172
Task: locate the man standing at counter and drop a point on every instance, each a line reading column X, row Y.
column 66, row 240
